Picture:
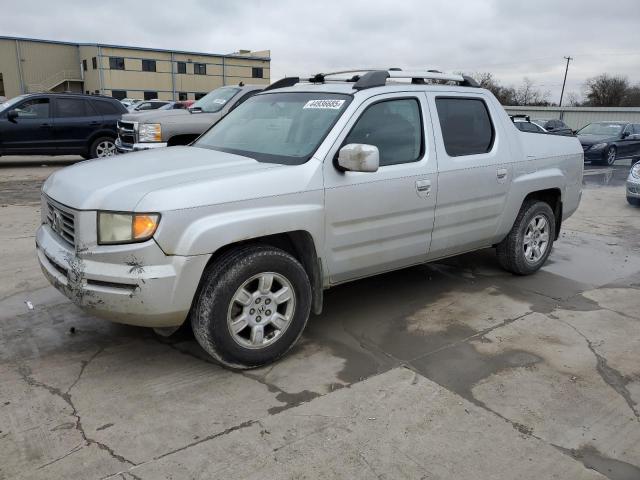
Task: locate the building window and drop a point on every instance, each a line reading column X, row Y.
column 84, row 65
column 182, row 96
column 116, row 63
column 87, row 92
column 97, row 92
column 257, row 72
column 119, row 94
column 148, row 65
column 182, row 67
column 200, row 68
column 199, row 95
column 150, row 95
column 94, row 63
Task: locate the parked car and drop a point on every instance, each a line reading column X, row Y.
column 524, row 124
column 148, row 105
column 606, row 142
column 554, row 125
column 127, row 102
column 180, row 127
column 59, row 124
column 633, row 185
column 304, row 186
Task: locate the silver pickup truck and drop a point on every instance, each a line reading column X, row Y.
column 307, row 185
column 162, row 128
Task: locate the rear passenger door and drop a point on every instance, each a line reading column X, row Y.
column 74, row 122
column 474, row 172
column 380, row 221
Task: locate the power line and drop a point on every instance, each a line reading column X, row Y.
column 568, row 59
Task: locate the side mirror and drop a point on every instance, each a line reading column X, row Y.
column 359, row 157
column 12, row 116
column 624, row 135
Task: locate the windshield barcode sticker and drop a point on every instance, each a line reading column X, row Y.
column 331, row 104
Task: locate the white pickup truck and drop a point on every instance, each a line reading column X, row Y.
column 307, row 185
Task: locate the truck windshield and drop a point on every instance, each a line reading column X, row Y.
column 277, row 127
column 215, row 100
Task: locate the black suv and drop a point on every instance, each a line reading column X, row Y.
column 59, row 124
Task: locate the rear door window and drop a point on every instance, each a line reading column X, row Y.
column 105, row 107
column 466, row 125
column 70, row 107
column 395, row 127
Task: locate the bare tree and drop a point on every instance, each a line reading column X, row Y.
column 527, row 94
column 632, row 97
column 606, row 90
column 505, row 95
column 573, row 100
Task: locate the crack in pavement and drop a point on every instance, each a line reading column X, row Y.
column 26, row 375
column 610, row 375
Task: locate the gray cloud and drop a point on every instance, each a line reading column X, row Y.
column 510, row 38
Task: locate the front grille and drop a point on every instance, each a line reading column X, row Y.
column 127, row 132
column 62, row 221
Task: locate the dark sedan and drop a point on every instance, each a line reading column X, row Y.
column 605, row 142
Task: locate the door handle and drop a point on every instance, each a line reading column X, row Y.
column 423, row 187
column 501, row 173
column 45, row 125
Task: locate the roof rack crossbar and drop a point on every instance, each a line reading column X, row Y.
column 369, row 78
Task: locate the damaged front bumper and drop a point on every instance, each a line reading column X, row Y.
column 135, row 284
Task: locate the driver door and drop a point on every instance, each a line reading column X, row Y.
column 32, row 131
column 381, row 221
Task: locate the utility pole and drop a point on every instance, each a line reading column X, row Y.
column 568, row 59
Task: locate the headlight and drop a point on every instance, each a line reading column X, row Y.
column 150, row 132
column 118, row 227
column 598, row 146
column 635, row 171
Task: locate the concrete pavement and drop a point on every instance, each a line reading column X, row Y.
column 450, row 370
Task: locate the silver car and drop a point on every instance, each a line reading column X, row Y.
column 306, row 185
column 633, row 185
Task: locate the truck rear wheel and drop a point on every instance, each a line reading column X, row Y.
column 253, row 305
column 528, row 244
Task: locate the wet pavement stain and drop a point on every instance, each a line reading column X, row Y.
column 609, row 467
column 461, row 367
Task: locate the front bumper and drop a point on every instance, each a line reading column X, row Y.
column 135, row 284
column 594, row 155
column 633, row 187
column 135, row 147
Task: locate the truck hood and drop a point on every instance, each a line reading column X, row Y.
column 154, row 116
column 170, row 178
column 173, row 116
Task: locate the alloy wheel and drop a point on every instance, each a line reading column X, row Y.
column 536, row 239
column 105, row 148
column 261, row 310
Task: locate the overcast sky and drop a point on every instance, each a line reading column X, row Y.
column 510, row 38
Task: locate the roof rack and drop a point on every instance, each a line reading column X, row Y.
column 369, row 78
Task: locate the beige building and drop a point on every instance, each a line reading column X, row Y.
column 31, row 65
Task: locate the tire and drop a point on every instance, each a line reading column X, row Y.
column 634, row 201
column 102, row 147
column 514, row 255
column 609, row 156
column 217, row 309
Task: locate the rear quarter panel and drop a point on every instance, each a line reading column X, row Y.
column 542, row 162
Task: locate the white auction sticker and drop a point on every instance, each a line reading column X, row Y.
column 331, row 104
column 221, row 101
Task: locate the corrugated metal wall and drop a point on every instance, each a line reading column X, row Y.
column 578, row 117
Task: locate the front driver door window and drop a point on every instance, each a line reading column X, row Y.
column 32, row 130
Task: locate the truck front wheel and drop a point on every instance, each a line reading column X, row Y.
column 252, row 307
column 528, row 244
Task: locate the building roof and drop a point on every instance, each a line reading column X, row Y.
column 107, row 45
